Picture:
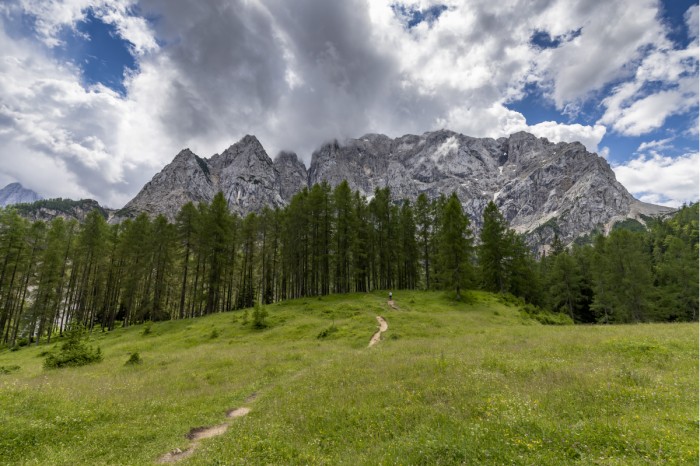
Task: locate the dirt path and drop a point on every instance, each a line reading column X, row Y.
column 200, row 433
column 383, row 326
column 392, row 305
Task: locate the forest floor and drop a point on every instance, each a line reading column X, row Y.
column 475, row 382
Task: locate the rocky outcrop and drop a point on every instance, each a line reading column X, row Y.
column 542, row 188
column 48, row 209
column 15, row 193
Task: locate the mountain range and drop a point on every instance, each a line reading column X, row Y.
column 542, row 188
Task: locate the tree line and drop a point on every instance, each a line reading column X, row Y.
column 325, row 241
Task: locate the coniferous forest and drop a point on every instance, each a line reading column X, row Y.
column 56, row 274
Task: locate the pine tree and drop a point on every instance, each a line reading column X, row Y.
column 494, row 251
column 424, row 222
column 408, row 262
column 565, row 284
column 186, row 223
column 345, row 225
column 217, row 225
column 455, row 247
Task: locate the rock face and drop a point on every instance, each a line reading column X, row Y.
column 542, row 188
column 243, row 172
column 15, row 193
column 292, row 174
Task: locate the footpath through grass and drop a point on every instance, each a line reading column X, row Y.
column 450, row 383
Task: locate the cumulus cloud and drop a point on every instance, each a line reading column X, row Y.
column 297, row 74
column 655, row 144
column 633, row 109
column 660, row 179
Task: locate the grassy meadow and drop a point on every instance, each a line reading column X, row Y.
column 449, row 383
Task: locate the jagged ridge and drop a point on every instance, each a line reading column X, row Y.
column 542, row 188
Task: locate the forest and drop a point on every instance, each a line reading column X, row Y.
column 56, row 274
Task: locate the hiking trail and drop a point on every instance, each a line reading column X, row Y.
column 383, row 326
column 199, row 433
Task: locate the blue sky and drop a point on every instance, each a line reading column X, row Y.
column 101, row 94
column 536, row 108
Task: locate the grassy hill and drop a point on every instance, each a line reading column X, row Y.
column 449, row 383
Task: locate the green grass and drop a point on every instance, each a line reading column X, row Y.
column 450, row 383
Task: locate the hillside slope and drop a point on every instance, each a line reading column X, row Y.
column 476, row 383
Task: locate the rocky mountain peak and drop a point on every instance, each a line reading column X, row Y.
column 243, row 172
column 15, row 193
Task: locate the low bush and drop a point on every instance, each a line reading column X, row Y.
column 74, row 351
column 546, row 317
column 327, row 332
column 134, row 360
column 8, row 369
column 259, row 315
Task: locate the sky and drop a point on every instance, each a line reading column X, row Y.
column 96, row 96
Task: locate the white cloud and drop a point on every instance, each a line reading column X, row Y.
column 632, row 110
column 603, row 51
column 692, row 19
column 655, row 144
column 87, row 142
column 499, row 121
column 661, row 179
column 53, row 16
column 299, row 73
column 648, row 113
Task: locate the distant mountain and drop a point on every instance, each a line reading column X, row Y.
column 15, row 193
column 48, row 209
column 542, row 188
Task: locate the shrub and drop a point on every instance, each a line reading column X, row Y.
column 327, row 332
column 134, row 359
column 546, row 317
column 74, row 351
column 8, row 369
column 214, row 334
column 147, row 328
column 259, row 315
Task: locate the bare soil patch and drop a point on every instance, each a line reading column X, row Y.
column 199, row 433
column 176, row 455
column 237, row 412
column 383, row 326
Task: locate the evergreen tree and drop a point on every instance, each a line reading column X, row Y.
column 186, row 224
column 408, row 262
column 343, row 236
column 424, row 223
column 565, row 284
column 495, row 250
column 455, row 247
column 217, row 225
